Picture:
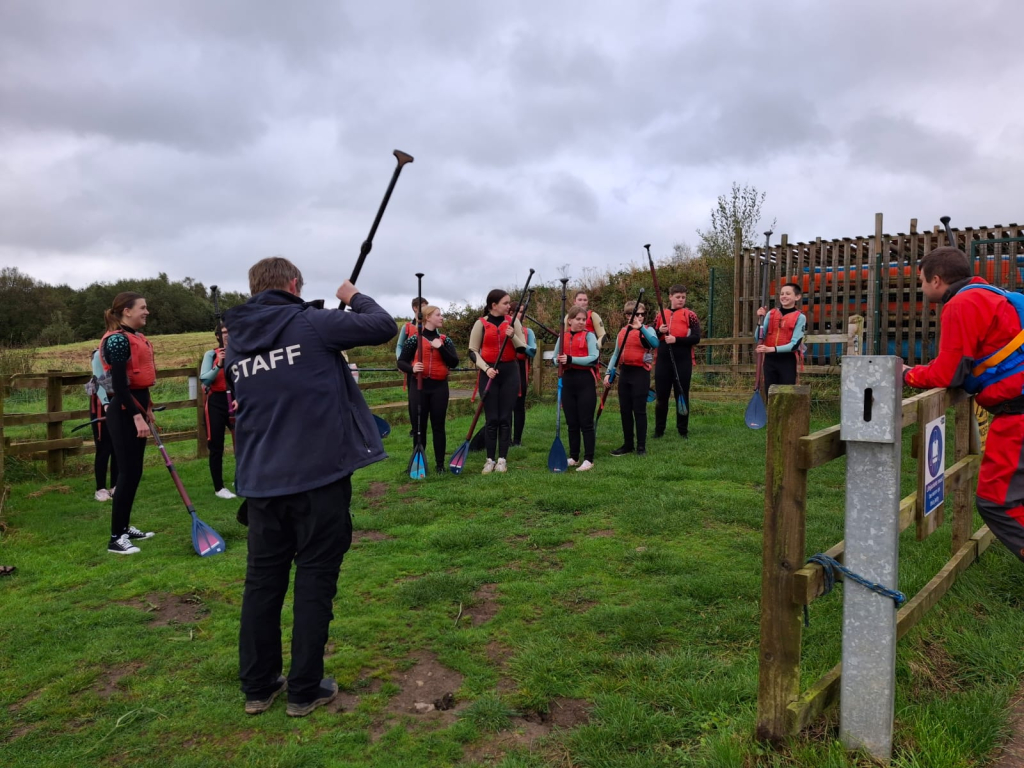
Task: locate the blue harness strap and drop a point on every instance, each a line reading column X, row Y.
column 1004, row 362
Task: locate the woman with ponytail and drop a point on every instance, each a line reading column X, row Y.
column 127, row 357
column 218, row 407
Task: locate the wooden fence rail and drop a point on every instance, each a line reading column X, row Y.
column 789, row 584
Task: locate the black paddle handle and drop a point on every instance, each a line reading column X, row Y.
column 949, row 231
column 419, row 332
column 364, row 249
column 561, row 337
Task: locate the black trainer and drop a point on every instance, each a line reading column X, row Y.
column 327, row 693
column 656, row 435
column 121, row 546
column 258, row 705
column 440, row 469
column 134, row 533
column 622, row 451
column 641, row 451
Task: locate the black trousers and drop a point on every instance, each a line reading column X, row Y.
column 104, row 455
column 519, row 412
column 314, row 530
column 217, row 423
column 634, row 383
column 579, row 399
column 498, row 407
column 666, row 388
column 129, row 451
column 435, row 409
column 779, row 368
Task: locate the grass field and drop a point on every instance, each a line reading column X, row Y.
column 603, row 619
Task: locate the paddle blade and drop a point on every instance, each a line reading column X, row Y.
column 383, row 428
column 479, row 441
column 557, row 460
column 205, row 540
column 417, row 464
column 652, row 396
column 681, row 408
column 756, row 416
column 458, row 460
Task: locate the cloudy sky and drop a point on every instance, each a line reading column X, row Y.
column 194, row 137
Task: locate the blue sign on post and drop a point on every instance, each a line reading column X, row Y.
column 935, row 465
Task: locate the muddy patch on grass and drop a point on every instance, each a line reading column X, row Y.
column 405, row 488
column 19, row 705
column 530, row 728
column 169, row 609
column 426, row 682
column 484, row 606
column 606, row 533
column 376, row 490
column 361, row 536
column 64, row 489
column 106, row 686
column 348, row 700
column 498, row 656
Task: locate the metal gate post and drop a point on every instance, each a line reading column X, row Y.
column 871, row 425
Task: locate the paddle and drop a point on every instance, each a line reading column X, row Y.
column 611, row 371
column 557, row 460
column 417, row 464
column 205, row 540
column 458, row 460
column 99, row 419
column 756, row 416
column 681, row 408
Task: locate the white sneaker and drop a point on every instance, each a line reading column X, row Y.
column 488, row 467
column 122, row 546
column 224, row 493
column 501, row 466
column 571, row 462
column 134, row 533
column 584, row 466
column 102, row 495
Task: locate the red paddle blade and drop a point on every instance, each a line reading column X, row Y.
column 458, row 460
column 205, row 540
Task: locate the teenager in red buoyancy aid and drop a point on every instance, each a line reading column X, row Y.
column 981, row 349
column 484, row 342
column 128, row 357
column 434, row 354
column 634, row 354
column 678, row 333
column 523, row 358
column 408, row 330
column 784, row 329
column 218, row 409
column 595, row 324
column 577, row 352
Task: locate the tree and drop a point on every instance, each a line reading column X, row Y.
column 59, row 331
column 742, row 208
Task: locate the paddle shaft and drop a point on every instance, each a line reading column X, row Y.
column 759, row 334
column 661, row 316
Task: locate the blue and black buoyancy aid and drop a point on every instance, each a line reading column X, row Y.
column 1004, row 362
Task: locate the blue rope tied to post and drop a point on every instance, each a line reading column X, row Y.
column 829, row 566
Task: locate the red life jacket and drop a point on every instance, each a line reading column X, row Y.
column 576, row 347
column 220, row 384
column 780, row 328
column 493, row 336
column 677, row 320
column 434, row 366
column 141, row 366
column 410, row 330
column 634, row 352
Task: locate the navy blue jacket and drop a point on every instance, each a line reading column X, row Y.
column 301, row 422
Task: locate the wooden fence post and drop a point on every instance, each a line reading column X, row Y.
column 737, row 273
column 785, row 504
column 855, row 346
column 538, row 369
column 54, row 429
column 202, row 449
column 963, row 499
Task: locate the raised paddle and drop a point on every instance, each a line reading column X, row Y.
column 458, row 460
column 417, row 464
column 681, row 408
column 756, row 416
column 611, row 371
column 557, row 460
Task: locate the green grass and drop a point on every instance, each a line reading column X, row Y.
column 630, row 591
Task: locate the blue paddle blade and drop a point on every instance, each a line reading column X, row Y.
column 557, row 460
column 458, row 460
column 417, row 465
column 681, row 408
column 652, row 396
column 205, row 540
column 756, row 416
column 382, row 426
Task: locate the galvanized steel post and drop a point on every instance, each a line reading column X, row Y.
column 871, row 426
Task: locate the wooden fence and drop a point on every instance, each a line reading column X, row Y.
column 57, row 447
column 788, row 584
column 874, row 276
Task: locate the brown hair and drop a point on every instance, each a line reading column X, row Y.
column 677, row 288
column 578, row 294
column 123, row 301
column 574, row 310
column 273, row 273
column 628, row 307
column 949, row 263
column 418, row 302
column 794, row 286
column 495, row 297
